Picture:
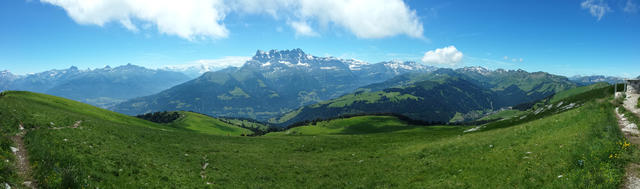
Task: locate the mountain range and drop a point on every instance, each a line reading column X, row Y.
column 102, row 87
column 441, row 96
column 588, row 80
column 289, row 86
column 269, row 84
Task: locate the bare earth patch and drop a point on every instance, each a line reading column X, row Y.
column 24, row 168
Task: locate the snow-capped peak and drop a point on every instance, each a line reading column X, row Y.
column 355, row 65
column 398, row 65
column 477, row 69
column 294, row 55
column 199, row 67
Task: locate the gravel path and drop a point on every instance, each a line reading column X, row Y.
column 630, row 130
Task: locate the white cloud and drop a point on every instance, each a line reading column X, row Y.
column 513, row 59
column 630, row 7
column 302, row 28
column 195, row 19
column 597, row 8
column 130, row 26
column 447, row 56
column 365, row 19
column 186, row 19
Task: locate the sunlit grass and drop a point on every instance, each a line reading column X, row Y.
column 567, row 150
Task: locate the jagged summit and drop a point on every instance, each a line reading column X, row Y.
column 406, row 65
column 297, row 59
column 476, row 69
column 295, row 54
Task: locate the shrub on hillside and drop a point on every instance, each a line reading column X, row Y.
column 160, row 117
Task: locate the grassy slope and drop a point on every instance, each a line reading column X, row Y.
column 354, row 125
column 570, row 149
column 109, row 153
column 545, row 108
column 208, row 125
column 572, row 92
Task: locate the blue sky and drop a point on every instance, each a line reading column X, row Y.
column 566, row 37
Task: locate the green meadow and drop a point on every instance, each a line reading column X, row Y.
column 579, row 147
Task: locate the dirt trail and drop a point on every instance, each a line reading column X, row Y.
column 24, row 167
column 630, row 131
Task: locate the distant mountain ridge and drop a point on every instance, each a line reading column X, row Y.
column 197, row 68
column 6, row 78
column 588, row 80
column 444, row 95
column 101, row 87
column 271, row 83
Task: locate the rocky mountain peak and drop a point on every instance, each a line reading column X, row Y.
column 294, row 55
column 407, row 65
column 476, row 69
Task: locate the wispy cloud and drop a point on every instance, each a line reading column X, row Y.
column 203, row 19
column 630, row 7
column 513, row 59
column 303, row 29
column 597, row 8
column 447, row 56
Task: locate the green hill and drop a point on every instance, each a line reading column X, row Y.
column 569, row 148
column 353, row 125
column 205, row 124
column 576, row 91
column 570, row 95
column 192, row 121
